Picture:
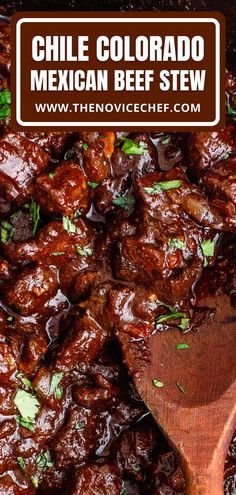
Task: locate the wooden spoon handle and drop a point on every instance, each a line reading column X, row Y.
column 200, row 481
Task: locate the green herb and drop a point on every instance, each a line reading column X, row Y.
column 56, row 379
column 177, row 243
column 157, row 187
column 58, row 253
column 157, row 383
column 68, row 225
column 51, row 175
column 93, row 185
column 130, row 147
column 230, row 111
column 4, row 235
column 181, row 388
column 6, row 231
column 125, row 202
column 5, row 102
column 27, row 404
column 44, row 460
column 21, row 462
column 84, row 251
column 59, row 392
column 24, row 380
column 25, row 423
column 225, row 156
column 35, row 215
column 80, row 425
column 182, row 346
column 76, row 215
column 170, row 316
column 220, row 257
column 184, row 322
column 136, row 468
column 85, row 146
column 35, row 481
column 6, row 225
column 165, row 140
column 10, row 318
column 208, row 249
column 123, row 492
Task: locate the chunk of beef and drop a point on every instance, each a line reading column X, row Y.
column 220, row 181
column 54, row 143
column 97, row 479
column 32, row 351
column 96, row 397
column 96, row 154
column 7, row 407
column 136, row 449
column 63, row 191
column 78, row 438
column 82, row 344
column 12, row 485
column 55, row 245
column 206, row 148
column 133, row 164
column 7, row 363
column 32, row 290
column 20, row 162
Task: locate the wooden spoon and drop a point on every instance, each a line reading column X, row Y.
column 196, row 407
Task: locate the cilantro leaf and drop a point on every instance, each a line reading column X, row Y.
column 5, row 102
column 93, row 185
column 85, row 146
column 157, row 383
column 130, row 147
column 35, row 481
column 176, row 243
column 125, row 202
column 208, row 247
column 182, row 346
column 27, row 405
column 84, row 251
column 80, row 425
column 43, row 460
column 25, row 423
column 24, row 380
column 56, row 379
column 184, row 322
column 21, row 462
column 157, row 187
column 170, row 316
column 68, row 225
column 59, row 392
column 35, row 215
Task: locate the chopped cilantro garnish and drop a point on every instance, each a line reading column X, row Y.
column 51, row 175
column 6, row 231
column 230, row 111
column 5, row 102
column 169, row 316
column 123, row 491
column 157, row 383
column 59, row 392
column 80, row 425
column 125, row 202
column 208, row 249
column 176, row 243
column 130, row 147
column 182, row 346
column 93, row 185
column 10, row 318
column 58, row 253
column 220, row 257
column 56, row 379
column 44, row 460
column 84, row 251
column 21, row 462
column 136, row 468
column 68, row 225
column 35, row 481
column 181, row 388
column 165, row 140
column 85, row 146
column 184, row 322
column 25, row 423
column 35, row 215
column 157, row 187
column 24, row 380
column 27, row 405
column 225, row 156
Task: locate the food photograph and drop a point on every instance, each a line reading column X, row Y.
column 117, row 296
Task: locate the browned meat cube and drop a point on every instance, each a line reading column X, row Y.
column 205, row 148
column 55, row 143
column 32, row 352
column 78, row 438
column 96, row 153
column 5, row 48
column 15, row 485
column 55, row 244
column 135, row 450
column 63, row 191
column 32, row 289
column 81, row 345
column 125, row 162
column 7, row 406
column 221, row 180
column 97, row 479
column 20, row 162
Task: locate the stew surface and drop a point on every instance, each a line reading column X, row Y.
column 105, row 238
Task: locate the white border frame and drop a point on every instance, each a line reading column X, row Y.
column 123, row 20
